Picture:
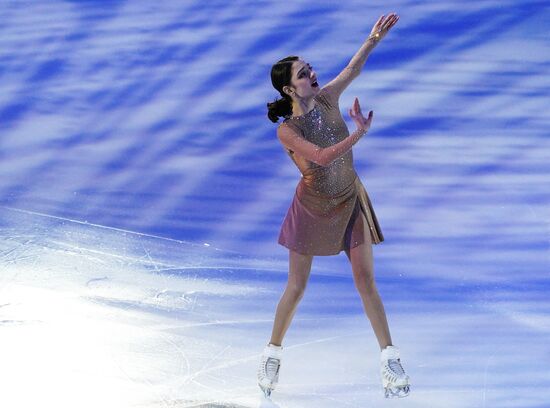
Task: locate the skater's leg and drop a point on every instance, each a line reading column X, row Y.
column 298, row 274
column 299, row 269
column 363, row 275
column 394, row 379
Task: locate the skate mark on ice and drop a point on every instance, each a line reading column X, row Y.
column 16, row 253
column 151, row 260
column 253, row 357
column 325, row 339
column 164, row 400
column 79, row 251
column 212, row 404
column 203, row 369
column 6, row 253
column 222, row 267
column 96, row 280
column 216, row 405
column 180, row 351
column 141, row 234
column 255, row 321
column 18, row 322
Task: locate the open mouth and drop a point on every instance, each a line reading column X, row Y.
column 314, row 84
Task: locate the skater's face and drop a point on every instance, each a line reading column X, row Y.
column 303, row 84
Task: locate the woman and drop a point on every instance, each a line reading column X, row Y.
column 331, row 210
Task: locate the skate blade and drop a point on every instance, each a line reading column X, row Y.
column 267, row 403
column 266, row 392
column 397, row 392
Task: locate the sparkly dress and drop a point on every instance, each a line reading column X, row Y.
column 331, row 210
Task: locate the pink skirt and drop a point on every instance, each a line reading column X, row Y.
column 326, row 225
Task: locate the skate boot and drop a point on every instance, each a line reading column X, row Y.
column 268, row 371
column 394, row 379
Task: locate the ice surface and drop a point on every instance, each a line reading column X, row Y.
column 93, row 316
column 142, row 189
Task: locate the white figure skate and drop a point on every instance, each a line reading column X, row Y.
column 268, row 371
column 394, row 379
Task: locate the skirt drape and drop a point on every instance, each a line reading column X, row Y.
column 317, row 224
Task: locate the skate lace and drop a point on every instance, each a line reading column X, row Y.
column 395, row 366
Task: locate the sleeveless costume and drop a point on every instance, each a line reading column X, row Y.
column 330, row 206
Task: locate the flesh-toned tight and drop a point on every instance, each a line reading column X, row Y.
column 361, row 259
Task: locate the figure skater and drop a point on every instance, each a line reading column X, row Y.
column 331, row 210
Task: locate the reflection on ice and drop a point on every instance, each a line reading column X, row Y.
column 92, row 312
column 216, row 405
column 92, row 316
column 97, row 124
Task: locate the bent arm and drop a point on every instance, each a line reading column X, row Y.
column 352, row 70
column 318, row 155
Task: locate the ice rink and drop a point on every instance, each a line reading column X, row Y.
column 142, row 189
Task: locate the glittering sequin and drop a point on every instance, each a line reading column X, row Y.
column 324, row 126
column 330, row 206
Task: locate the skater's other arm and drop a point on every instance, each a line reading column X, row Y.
column 324, row 156
column 354, row 67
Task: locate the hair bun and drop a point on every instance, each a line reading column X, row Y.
column 278, row 108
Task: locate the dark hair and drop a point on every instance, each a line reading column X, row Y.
column 281, row 73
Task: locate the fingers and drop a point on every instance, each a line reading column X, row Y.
column 367, row 121
column 384, row 23
column 355, row 109
column 389, row 21
column 379, row 22
column 357, row 116
column 394, row 20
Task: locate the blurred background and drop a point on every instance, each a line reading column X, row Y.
column 136, row 155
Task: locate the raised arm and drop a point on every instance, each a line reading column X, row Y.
column 354, row 67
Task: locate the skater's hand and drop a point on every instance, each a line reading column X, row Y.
column 383, row 25
column 357, row 116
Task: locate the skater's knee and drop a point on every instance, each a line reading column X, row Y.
column 365, row 284
column 295, row 291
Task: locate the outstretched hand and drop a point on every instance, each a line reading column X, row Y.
column 383, row 25
column 357, row 116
